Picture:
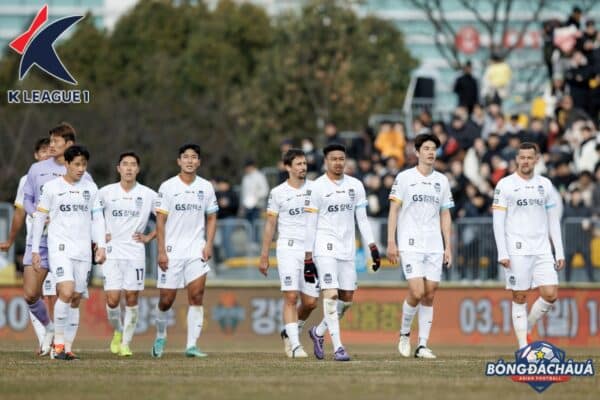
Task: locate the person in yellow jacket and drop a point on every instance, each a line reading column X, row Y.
column 391, row 141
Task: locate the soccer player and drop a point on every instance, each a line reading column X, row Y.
column 127, row 206
column 285, row 211
column 41, row 172
column 68, row 202
column 186, row 221
column 334, row 201
column 419, row 216
column 20, row 217
column 525, row 217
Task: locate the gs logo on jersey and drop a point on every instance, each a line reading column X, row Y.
column 86, row 195
column 200, row 195
column 352, row 194
column 437, row 187
column 138, row 202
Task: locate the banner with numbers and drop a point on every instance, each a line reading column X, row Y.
column 461, row 316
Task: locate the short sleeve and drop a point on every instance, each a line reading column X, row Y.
column 447, row 200
column 500, row 198
column 163, row 201
column 361, row 197
column 45, row 202
column 273, row 205
column 397, row 190
column 20, row 198
column 211, row 205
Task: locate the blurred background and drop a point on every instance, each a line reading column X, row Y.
column 249, row 79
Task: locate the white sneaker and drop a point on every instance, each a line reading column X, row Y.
column 404, row 345
column 298, row 352
column 47, row 342
column 424, row 352
column 287, row 347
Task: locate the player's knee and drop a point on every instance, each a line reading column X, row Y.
column 131, row 299
column 310, row 304
column 112, row 302
column 30, row 296
column 417, row 295
column 519, row 298
column 550, row 297
column 165, row 303
column 196, row 298
column 291, row 299
column 343, row 306
column 75, row 299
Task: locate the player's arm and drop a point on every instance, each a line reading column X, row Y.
column 162, row 213
column 499, row 208
column 395, row 198
column 269, row 232
column 446, row 226
column 365, row 228
column 212, row 207
column 29, row 194
column 18, row 220
column 39, row 222
column 553, row 213
column 312, row 214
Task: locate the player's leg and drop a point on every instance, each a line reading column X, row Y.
column 195, row 272
column 328, row 280
column 433, row 275
column 65, row 282
column 32, row 292
column 134, row 283
column 518, row 279
column 545, row 278
column 113, row 283
column 290, row 320
column 309, row 296
column 81, row 273
column 168, row 283
column 412, row 266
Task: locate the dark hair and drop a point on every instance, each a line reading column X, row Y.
column 129, row 154
column 189, row 146
column 333, row 147
column 529, row 146
column 291, row 154
column 76, row 151
column 42, row 142
column 64, row 130
column 424, row 137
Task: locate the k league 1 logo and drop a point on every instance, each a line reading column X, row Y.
column 36, row 47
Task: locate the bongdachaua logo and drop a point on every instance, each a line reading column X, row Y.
column 540, row 364
column 36, row 47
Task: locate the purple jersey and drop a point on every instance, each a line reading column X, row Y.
column 39, row 174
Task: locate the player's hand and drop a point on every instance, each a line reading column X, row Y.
column 163, row 261
column 36, row 262
column 392, row 253
column 141, row 238
column 448, row 258
column 4, row 246
column 263, row 265
column 108, row 237
column 375, row 256
column 207, row 253
column 505, row 262
column 310, row 271
column 560, row 264
column 100, row 255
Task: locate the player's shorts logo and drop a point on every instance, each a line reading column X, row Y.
column 352, row 194
column 518, row 245
column 437, row 187
column 60, row 272
column 540, row 364
column 61, row 247
column 138, row 202
column 200, row 195
column 86, row 195
column 287, row 281
column 512, row 280
column 291, row 243
column 163, row 278
column 408, row 268
column 37, row 46
column 541, row 190
column 47, row 284
column 411, row 242
column 108, row 249
column 329, row 246
column 327, row 279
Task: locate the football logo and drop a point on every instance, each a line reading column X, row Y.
column 37, row 46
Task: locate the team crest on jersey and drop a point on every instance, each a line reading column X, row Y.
column 86, row 195
column 352, row 194
column 200, row 195
column 138, row 202
column 437, row 187
column 308, row 192
column 541, row 190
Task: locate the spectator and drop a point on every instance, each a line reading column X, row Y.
column 586, row 155
column 578, row 233
column 228, row 207
column 596, row 192
column 577, row 78
column 496, row 80
column 391, row 142
column 331, row 133
column 563, row 176
column 313, row 158
column 574, row 18
column 364, row 169
column 466, row 88
column 536, row 135
column 464, row 133
column 493, row 149
column 567, row 113
column 585, row 185
column 254, row 191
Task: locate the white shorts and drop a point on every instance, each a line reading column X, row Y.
column 335, row 273
column 528, row 272
column 66, row 269
column 290, row 264
column 422, row 265
column 124, row 274
column 181, row 272
column 49, row 286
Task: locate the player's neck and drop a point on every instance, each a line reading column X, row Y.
column 424, row 170
column 296, row 183
column 334, row 177
column 525, row 177
column 60, row 160
column 127, row 186
column 70, row 180
column 186, row 178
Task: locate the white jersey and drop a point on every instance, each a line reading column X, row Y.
column 20, row 203
column 126, row 213
column 422, row 199
column 526, row 203
column 69, row 208
column 186, row 206
column 336, row 204
column 287, row 203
